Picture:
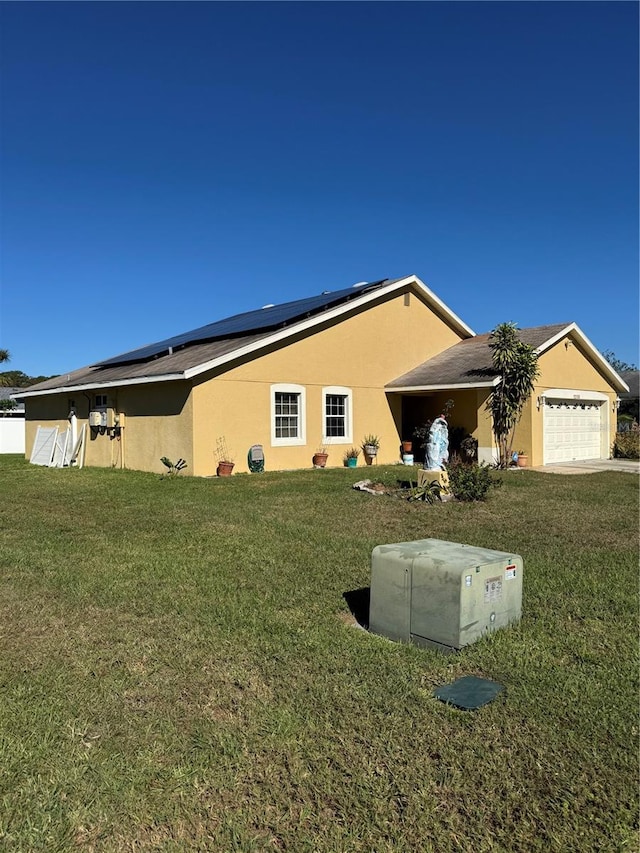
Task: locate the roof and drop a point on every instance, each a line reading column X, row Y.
column 187, row 355
column 8, row 392
column 632, row 378
column 468, row 363
column 269, row 317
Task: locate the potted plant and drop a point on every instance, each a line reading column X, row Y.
column 351, row 457
column 225, row 459
column 320, row 457
column 522, row 460
column 370, row 445
column 407, row 446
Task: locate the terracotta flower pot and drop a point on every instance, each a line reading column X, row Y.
column 407, row 446
column 320, row 460
column 225, row 469
column 523, row 460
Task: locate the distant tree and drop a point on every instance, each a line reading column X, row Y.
column 618, row 365
column 516, row 364
column 18, row 379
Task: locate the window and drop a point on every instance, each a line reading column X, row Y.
column 101, row 401
column 337, row 414
column 287, row 415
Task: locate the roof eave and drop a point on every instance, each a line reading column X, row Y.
column 92, row 386
column 447, row 386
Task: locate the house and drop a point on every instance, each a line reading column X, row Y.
column 12, row 422
column 630, row 400
column 379, row 357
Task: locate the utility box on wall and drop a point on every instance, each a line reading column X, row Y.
column 443, row 594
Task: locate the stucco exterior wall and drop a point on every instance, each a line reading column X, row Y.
column 567, row 366
column 362, row 352
column 47, row 411
column 157, row 422
column 484, row 431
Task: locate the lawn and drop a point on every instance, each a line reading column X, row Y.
column 179, row 670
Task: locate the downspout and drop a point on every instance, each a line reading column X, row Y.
column 73, row 422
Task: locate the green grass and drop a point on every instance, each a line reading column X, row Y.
column 178, row 671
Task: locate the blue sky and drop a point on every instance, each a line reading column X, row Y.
column 164, row 165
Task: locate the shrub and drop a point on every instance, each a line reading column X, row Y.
column 627, row 444
column 470, row 482
column 429, row 492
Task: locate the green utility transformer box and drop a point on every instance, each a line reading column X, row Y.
column 443, row 594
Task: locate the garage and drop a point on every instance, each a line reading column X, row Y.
column 575, row 427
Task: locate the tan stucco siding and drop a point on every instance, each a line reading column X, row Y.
column 484, row 431
column 463, row 413
column 157, row 422
column 49, row 411
column 565, row 365
column 362, row 353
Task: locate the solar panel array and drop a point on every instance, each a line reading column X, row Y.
column 251, row 321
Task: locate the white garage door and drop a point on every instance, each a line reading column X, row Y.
column 572, row 430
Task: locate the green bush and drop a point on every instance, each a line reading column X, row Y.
column 627, row 445
column 470, row 482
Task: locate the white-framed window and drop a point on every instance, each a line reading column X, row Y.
column 337, row 420
column 288, row 415
column 101, row 401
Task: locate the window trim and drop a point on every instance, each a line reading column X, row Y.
column 301, row 438
column 347, row 393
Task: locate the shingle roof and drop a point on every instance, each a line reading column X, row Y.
column 164, row 365
column 270, row 317
column 7, row 392
column 172, row 357
column 632, row 378
column 467, row 362
column 186, row 355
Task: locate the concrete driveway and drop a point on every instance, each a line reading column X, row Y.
column 592, row 466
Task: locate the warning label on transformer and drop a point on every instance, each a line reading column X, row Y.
column 492, row 590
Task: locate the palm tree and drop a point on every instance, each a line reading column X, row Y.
column 5, row 355
column 516, row 363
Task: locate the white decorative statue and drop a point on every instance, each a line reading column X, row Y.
column 438, row 445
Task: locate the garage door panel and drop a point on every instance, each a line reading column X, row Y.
column 572, row 430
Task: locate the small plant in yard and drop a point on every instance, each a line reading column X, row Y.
column 470, row 482
column 222, row 453
column 351, row 453
column 428, row 492
column 370, row 444
column 224, row 458
column 174, row 468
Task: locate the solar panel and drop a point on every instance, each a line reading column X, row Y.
column 251, row 321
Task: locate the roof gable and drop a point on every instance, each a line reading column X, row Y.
column 188, row 355
column 468, row 363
